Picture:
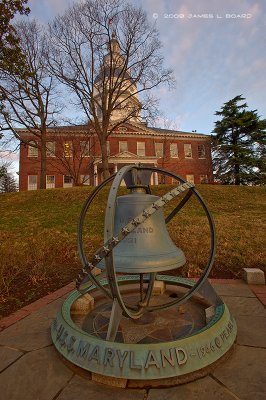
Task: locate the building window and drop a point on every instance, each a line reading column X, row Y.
column 161, row 179
column 201, row 151
column 175, row 181
column 32, row 151
column 50, row 149
column 32, row 182
column 187, row 150
column 85, row 179
column 50, row 181
column 203, row 179
column 99, row 112
column 141, row 148
column 159, row 150
column 68, row 182
column 190, row 178
column 85, row 148
column 108, row 147
column 123, row 146
column 68, row 149
column 173, row 150
column 121, row 129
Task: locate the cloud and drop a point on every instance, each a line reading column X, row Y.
column 213, row 59
column 9, row 156
column 255, row 10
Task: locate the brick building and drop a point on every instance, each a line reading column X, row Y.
column 73, row 155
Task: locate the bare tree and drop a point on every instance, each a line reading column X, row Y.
column 30, row 102
column 71, row 155
column 108, row 55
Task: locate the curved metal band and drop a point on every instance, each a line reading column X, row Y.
column 109, row 232
column 109, row 229
column 210, row 262
column 87, row 273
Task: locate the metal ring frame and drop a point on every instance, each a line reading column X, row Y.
column 109, row 238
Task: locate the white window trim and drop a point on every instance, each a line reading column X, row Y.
column 85, row 148
column 188, row 178
column 35, row 186
column 87, row 180
column 203, row 157
column 67, row 185
column 138, row 149
column 121, row 143
column 159, row 153
column 50, row 153
column 188, row 144
column 50, row 185
column 176, row 146
column 205, row 178
column 71, row 149
column 32, row 148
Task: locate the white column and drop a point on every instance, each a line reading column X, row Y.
column 156, row 177
column 95, row 172
column 115, row 168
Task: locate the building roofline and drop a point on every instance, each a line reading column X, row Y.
column 143, row 130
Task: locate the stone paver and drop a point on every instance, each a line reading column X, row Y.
column 202, row 389
column 8, row 356
column 30, row 367
column 245, row 306
column 81, row 389
column 251, row 331
column 245, row 373
column 237, row 289
column 32, row 332
column 38, row 375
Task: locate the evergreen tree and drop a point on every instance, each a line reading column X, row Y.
column 7, row 182
column 239, row 144
column 11, row 56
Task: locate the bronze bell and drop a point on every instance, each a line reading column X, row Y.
column 149, row 247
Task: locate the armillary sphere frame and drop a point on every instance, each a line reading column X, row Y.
column 111, row 240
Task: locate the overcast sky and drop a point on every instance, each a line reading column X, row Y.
column 217, row 50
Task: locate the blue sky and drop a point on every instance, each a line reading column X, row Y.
column 217, row 50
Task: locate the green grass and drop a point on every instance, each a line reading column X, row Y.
column 38, row 236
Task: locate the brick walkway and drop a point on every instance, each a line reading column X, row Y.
column 30, row 368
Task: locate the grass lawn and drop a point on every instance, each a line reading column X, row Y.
column 38, row 237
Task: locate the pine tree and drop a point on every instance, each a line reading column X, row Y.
column 239, row 144
column 8, row 183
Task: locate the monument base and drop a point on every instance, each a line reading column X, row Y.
column 162, row 348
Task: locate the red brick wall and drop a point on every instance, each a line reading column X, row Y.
column 181, row 166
